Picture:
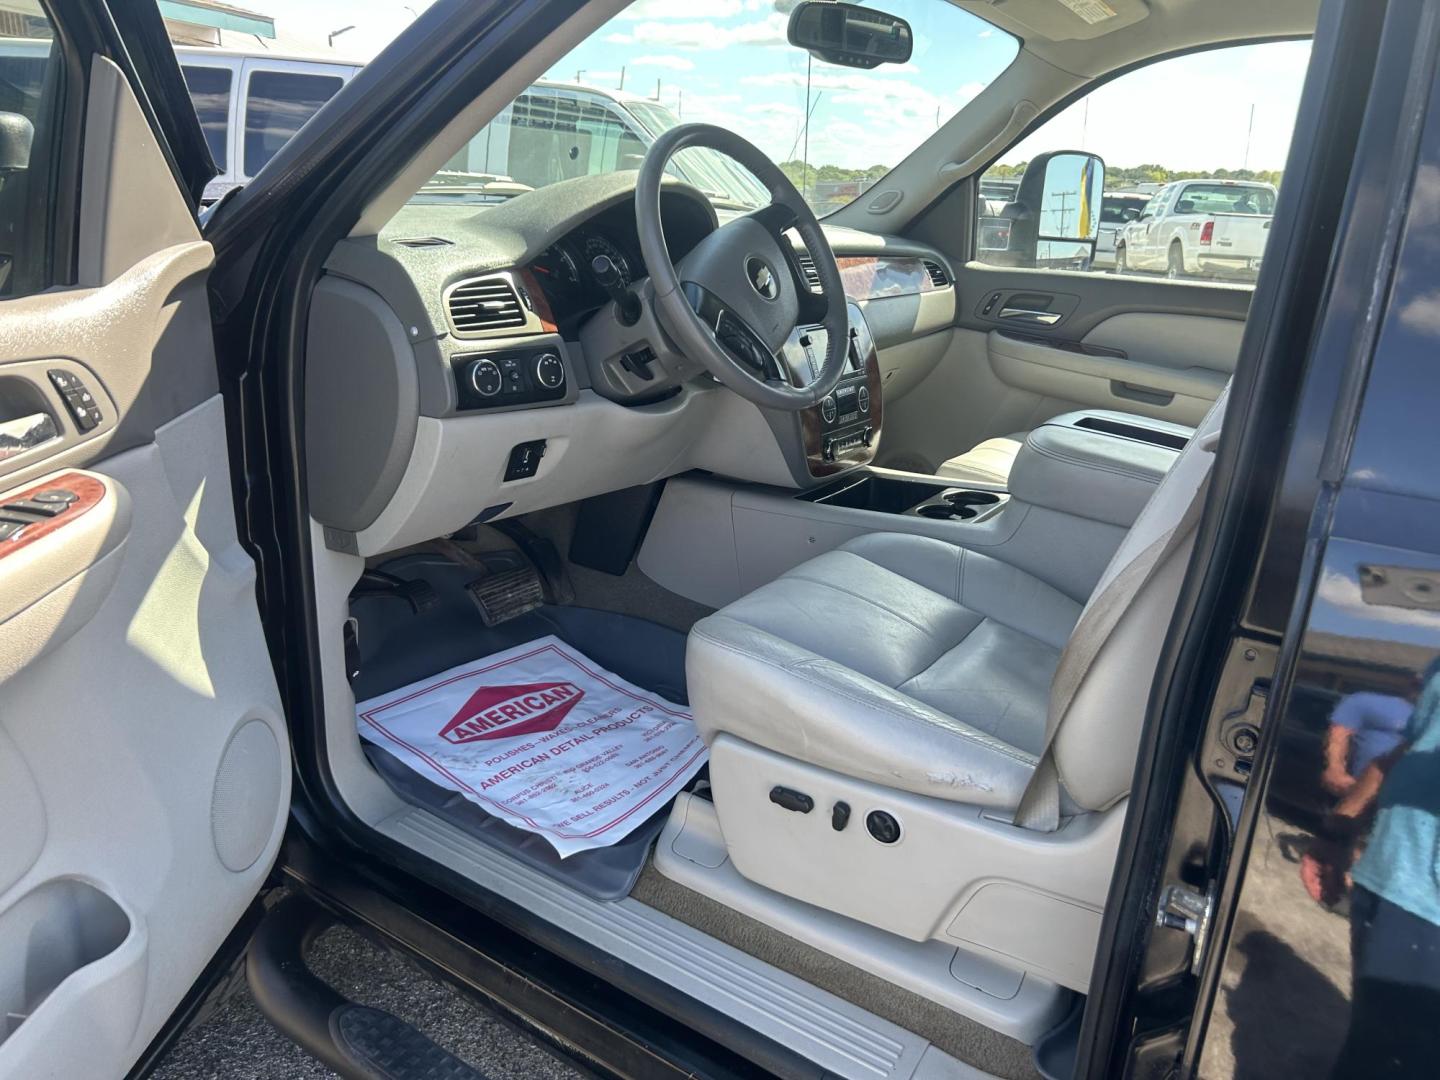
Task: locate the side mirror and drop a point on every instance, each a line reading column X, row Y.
column 16, row 135
column 850, row 35
column 1056, row 213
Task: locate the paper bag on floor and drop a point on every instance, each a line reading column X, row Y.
column 544, row 738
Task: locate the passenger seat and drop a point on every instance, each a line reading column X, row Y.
column 990, row 462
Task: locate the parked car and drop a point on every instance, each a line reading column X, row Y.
column 1200, row 229
column 552, row 132
column 1117, row 210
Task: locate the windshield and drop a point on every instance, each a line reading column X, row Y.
column 834, row 131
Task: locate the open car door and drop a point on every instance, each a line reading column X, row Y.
column 144, row 761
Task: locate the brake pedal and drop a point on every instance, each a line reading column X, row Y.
column 503, row 595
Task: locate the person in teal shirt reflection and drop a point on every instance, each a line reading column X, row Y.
column 1395, row 908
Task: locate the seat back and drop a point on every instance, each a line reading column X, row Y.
column 1102, row 688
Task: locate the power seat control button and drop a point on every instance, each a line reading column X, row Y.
column 840, row 816
column 790, row 799
column 882, row 826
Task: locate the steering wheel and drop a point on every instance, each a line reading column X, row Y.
column 737, row 297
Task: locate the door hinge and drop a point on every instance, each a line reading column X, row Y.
column 1187, row 909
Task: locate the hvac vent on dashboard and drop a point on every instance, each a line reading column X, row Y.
column 938, row 276
column 807, row 267
column 489, row 306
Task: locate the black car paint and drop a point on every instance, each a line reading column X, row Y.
column 1150, row 1016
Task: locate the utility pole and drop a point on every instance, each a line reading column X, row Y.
column 657, row 89
column 622, row 78
column 680, row 104
column 1248, row 132
column 805, row 154
column 579, row 74
column 1085, row 122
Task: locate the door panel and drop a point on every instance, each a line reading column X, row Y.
column 144, row 764
column 1030, row 345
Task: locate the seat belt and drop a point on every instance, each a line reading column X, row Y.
column 1039, row 808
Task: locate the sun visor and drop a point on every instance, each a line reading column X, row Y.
column 1059, row 20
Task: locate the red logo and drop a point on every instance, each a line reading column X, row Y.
column 501, row 712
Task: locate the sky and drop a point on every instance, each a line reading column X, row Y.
column 727, row 62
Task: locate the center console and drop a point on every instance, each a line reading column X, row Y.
column 885, row 494
column 843, row 431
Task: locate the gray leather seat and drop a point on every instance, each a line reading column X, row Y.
column 937, row 744
column 899, row 659
column 929, row 668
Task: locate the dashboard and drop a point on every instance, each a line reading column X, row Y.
column 470, row 364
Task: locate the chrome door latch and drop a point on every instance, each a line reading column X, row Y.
column 1184, row 908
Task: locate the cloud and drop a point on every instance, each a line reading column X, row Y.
column 704, row 34
column 674, row 63
column 690, row 9
column 1422, row 314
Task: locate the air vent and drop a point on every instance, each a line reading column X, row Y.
column 485, row 305
column 422, row 241
column 938, row 276
column 807, row 267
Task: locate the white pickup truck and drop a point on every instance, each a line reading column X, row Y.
column 1200, row 229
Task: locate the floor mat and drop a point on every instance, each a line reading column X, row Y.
column 398, row 647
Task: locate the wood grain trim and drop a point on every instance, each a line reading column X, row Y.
column 813, row 433
column 540, row 303
column 90, row 491
column 870, row 277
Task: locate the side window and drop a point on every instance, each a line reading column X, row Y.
column 277, row 105
column 210, row 91
column 1193, row 149
column 31, row 80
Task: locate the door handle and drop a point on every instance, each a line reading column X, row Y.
column 25, row 433
column 1030, row 315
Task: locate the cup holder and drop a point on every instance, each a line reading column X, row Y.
column 960, row 505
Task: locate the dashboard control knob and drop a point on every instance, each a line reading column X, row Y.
column 862, row 400
column 485, row 377
column 549, row 371
column 827, row 409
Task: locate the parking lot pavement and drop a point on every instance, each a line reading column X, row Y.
column 238, row 1043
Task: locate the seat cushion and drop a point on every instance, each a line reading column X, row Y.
column 988, row 462
column 899, row 659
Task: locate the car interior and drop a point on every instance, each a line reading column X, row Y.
column 915, row 617
column 904, row 531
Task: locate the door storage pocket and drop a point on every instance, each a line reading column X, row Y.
column 48, row 935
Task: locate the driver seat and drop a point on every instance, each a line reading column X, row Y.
column 937, row 743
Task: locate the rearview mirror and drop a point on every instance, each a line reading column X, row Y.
column 850, row 35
